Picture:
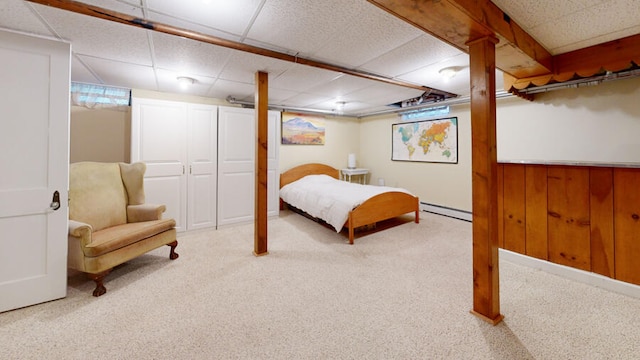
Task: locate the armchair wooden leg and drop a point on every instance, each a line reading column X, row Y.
column 98, row 278
column 173, row 254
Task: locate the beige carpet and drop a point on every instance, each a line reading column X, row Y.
column 401, row 293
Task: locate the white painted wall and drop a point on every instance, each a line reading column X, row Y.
column 598, row 123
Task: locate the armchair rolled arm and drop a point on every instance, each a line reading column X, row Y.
column 80, row 230
column 144, row 212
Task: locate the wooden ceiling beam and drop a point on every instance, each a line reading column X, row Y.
column 614, row 56
column 457, row 22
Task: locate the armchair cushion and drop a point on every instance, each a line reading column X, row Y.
column 120, row 236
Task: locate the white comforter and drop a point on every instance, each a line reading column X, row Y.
column 329, row 199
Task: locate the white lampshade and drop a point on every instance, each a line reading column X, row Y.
column 351, row 161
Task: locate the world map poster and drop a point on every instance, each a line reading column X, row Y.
column 426, row 141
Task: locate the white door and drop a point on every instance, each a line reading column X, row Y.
column 202, row 148
column 273, row 169
column 34, row 158
column 236, row 168
column 236, row 165
column 158, row 138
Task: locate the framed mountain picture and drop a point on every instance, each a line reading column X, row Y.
column 302, row 129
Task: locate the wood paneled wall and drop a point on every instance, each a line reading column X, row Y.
column 583, row 217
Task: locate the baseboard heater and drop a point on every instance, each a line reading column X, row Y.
column 446, row 211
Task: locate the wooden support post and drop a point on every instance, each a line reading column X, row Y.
column 486, row 289
column 262, row 116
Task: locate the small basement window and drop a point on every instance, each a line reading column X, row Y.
column 99, row 96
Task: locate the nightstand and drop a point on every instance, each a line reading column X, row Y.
column 361, row 174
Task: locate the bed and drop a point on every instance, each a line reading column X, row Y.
column 382, row 203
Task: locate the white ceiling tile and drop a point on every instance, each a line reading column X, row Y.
column 244, row 66
column 128, row 75
column 80, row 73
column 382, row 93
column 186, row 25
column 277, row 96
column 301, row 78
column 100, row 38
column 303, row 25
column 17, row 15
column 129, row 7
column 430, row 75
column 189, row 56
column 574, row 28
column 597, row 40
column 340, row 86
column 221, row 89
column 420, row 52
column 307, row 100
column 277, row 99
column 531, row 13
column 369, row 35
column 232, row 17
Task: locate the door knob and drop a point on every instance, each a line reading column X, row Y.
column 55, row 203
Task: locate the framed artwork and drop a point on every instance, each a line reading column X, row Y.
column 426, row 141
column 302, row 129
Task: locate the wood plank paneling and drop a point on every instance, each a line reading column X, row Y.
column 536, row 211
column 601, row 207
column 627, row 224
column 514, row 208
column 568, row 216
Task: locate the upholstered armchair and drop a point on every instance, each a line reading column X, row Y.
column 109, row 223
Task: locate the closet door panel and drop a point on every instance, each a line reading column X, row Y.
column 202, row 144
column 236, row 165
column 159, row 140
column 273, row 171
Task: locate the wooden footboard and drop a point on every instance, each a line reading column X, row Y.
column 382, row 207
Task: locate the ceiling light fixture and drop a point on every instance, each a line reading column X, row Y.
column 449, row 72
column 185, row 81
column 340, row 106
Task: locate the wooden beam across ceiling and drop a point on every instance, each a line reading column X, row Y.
column 613, row 56
column 457, row 22
column 524, row 61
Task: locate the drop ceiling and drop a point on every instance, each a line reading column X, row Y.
column 352, row 34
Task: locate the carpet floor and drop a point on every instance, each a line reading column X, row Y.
column 403, row 291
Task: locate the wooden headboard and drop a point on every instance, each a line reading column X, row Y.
column 300, row 171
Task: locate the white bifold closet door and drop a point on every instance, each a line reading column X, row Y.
column 236, row 164
column 178, row 143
